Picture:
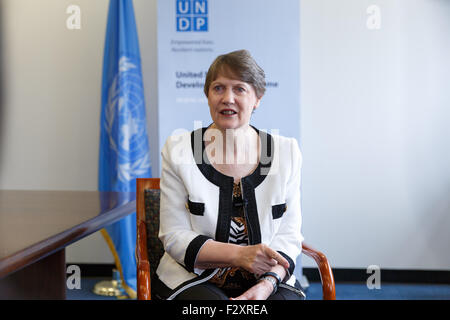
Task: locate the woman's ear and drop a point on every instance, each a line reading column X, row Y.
column 258, row 100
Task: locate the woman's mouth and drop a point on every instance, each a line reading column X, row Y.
column 228, row 112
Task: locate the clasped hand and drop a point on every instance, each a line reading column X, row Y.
column 259, row 259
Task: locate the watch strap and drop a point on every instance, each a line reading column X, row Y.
column 273, row 274
column 271, row 280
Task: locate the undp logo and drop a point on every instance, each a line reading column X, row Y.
column 192, row 15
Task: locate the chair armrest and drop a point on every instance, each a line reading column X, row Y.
column 144, row 291
column 326, row 274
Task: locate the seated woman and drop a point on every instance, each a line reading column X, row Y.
column 230, row 198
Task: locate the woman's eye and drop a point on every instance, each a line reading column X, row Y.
column 217, row 88
column 240, row 89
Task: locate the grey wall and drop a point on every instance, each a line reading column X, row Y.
column 374, row 122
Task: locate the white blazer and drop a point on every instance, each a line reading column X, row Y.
column 196, row 204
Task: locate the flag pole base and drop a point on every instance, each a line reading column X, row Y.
column 111, row 288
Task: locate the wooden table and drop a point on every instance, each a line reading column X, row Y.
column 35, row 228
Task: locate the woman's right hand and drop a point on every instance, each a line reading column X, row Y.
column 259, row 259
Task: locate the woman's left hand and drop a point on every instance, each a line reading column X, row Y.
column 260, row 291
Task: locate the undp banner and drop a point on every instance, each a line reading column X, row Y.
column 192, row 33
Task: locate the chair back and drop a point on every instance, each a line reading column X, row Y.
column 155, row 249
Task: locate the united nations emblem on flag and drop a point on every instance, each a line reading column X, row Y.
column 125, row 122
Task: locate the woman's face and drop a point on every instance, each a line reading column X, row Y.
column 231, row 103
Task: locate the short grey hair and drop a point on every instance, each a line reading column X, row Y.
column 238, row 65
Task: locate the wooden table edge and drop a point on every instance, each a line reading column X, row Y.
column 46, row 247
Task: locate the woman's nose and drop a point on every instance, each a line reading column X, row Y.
column 228, row 96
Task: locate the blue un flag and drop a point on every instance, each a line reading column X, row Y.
column 124, row 151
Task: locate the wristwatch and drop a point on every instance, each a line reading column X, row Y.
column 272, row 280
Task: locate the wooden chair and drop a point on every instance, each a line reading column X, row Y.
column 149, row 249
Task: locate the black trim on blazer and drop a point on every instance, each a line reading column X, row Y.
column 278, row 210
column 192, row 251
column 196, row 208
column 291, row 265
column 251, row 212
column 225, row 184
